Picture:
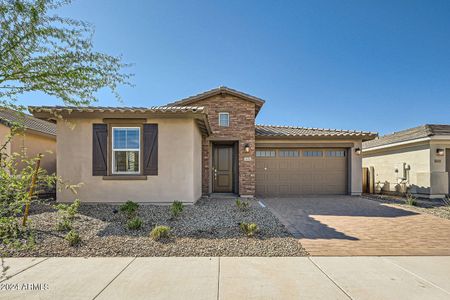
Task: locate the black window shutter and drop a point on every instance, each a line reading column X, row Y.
column 150, row 149
column 99, row 149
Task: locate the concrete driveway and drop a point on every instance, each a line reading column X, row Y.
column 212, row 278
column 344, row 225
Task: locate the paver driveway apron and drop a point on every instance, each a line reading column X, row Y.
column 345, row 225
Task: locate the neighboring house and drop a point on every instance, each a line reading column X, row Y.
column 201, row 145
column 37, row 136
column 415, row 160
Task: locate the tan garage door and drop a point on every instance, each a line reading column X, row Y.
column 291, row 172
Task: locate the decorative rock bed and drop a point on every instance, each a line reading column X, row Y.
column 208, row 228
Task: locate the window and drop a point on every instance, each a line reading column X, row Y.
column 224, row 119
column 312, row 153
column 126, row 150
column 265, row 153
column 336, row 153
column 289, row 153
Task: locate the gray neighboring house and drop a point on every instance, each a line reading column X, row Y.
column 416, row 160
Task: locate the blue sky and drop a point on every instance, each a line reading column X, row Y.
column 369, row 65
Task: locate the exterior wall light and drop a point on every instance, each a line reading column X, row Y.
column 358, row 151
column 440, row 152
column 247, row 148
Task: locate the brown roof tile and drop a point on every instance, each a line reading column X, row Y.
column 9, row 117
column 222, row 89
column 410, row 134
column 290, row 131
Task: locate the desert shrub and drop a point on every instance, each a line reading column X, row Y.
column 135, row 223
column 73, row 237
column 129, row 208
column 410, row 200
column 159, row 232
column 250, row 229
column 66, row 214
column 176, row 208
column 242, row 205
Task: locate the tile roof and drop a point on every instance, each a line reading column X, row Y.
column 222, row 89
column 290, row 131
column 152, row 109
column 410, row 134
column 8, row 117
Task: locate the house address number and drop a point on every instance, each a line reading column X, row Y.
column 248, row 158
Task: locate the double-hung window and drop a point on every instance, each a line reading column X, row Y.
column 126, row 150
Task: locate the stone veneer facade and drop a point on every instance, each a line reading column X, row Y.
column 241, row 129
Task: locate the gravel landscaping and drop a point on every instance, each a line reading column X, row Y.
column 208, row 228
column 434, row 207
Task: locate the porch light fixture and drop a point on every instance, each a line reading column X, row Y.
column 440, row 152
column 247, row 148
column 358, row 151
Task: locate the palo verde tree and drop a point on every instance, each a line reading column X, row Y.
column 41, row 51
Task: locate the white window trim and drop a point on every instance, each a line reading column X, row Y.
column 114, row 150
column 228, row 117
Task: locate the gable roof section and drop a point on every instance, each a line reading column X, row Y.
column 218, row 91
column 197, row 112
column 8, row 117
column 410, row 134
column 271, row 131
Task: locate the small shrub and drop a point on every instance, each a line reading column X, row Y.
column 176, row 208
column 66, row 215
column 73, row 238
column 159, row 232
column 64, row 225
column 129, row 208
column 410, row 200
column 134, row 224
column 242, row 205
column 250, row 229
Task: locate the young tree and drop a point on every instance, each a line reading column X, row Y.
column 41, row 51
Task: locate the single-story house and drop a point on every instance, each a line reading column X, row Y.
column 36, row 136
column 415, row 160
column 202, row 145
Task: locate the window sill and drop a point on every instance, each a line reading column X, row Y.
column 125, row 177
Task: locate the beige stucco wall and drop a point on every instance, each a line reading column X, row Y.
column 355, row 161
column 4, row 134
column 179, row 165
column 31, row 143
column 427, row 174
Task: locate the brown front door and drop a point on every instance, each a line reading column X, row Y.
column 223, row 169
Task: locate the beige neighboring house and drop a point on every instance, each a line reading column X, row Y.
column 38, row 136
column 203, row 145
column 416, row 159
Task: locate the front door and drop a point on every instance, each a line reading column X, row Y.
column 222, row 169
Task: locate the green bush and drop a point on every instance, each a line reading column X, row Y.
column 176, row 208
column 250, row 229
column 129, row 208
column 73, row 238
column 159, row 232
column 64, row 225
column 135, row 223
column 66, row 215
column 410, row 200
column 242, row 205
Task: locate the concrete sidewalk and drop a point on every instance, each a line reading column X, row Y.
column 227, row 278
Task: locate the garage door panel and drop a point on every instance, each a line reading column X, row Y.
column 301, row 175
